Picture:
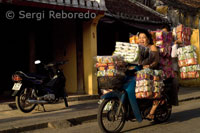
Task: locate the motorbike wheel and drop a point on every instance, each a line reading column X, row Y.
column 107, row 119
column 163, row 113
column 21, row 101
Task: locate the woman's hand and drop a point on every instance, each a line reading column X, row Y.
column 146, row 66
column 178, row 42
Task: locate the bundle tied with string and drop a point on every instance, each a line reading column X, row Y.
column 110, row 71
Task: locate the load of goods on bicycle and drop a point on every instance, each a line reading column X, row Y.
column 129, row 90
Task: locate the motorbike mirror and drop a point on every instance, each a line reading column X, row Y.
column 37, row 62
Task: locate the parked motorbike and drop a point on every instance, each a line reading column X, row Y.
column 33, row 90
column 117, row 107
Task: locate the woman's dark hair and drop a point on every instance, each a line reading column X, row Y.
column 148, row 36
column 167, row 27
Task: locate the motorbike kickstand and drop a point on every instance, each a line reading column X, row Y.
column 43, row 107
column 38, row 109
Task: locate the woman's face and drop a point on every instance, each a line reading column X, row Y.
column 143, row 40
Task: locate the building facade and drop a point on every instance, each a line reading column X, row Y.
column 40, row 30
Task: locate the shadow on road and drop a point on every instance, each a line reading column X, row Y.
column 51, row 112
column 185, row 115
column 175, row 117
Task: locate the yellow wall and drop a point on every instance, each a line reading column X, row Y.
column 65, row 49
column 64, row 40
column 90, row 51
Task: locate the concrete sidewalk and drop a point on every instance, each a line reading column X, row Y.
column 57, row 116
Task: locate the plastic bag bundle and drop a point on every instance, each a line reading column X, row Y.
column 187, row 56
column 163, row 38
column 129, row 52
column 190, row 68
column 167, row 69
column 149, row 83
column 187, row 61
column 110, row 71
column 133, row 39
column 163, row 41
column 110, row 66
column 184, row 34
column 190, row 72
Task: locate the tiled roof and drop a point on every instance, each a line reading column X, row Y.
column 133, row 10
column 98, row 5
column 191, row 3
column 187, row 5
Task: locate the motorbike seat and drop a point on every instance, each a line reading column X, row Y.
column 33, row 79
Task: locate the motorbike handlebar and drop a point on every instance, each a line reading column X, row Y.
column 56, row 64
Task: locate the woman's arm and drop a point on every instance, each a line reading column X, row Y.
column 154, row 54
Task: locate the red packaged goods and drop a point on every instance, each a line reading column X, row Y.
column 138, row 95
column 101, row 68
column 133, row 39
column 146, row 95
column 111, row 67
column 191, row 61
column 183, row 34
column 101, row 65
column 159, row 35
column 110, row 64
column 191, row 74
column 197, row 75
column 184, row 75
column 182, row 63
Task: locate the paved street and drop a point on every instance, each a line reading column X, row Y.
column 185, row 118
column 81, row 114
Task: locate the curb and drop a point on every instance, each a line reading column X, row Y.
column 189, row 99
column 53, row 124
column 82, row 98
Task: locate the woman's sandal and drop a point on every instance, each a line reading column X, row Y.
column 150, row 117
